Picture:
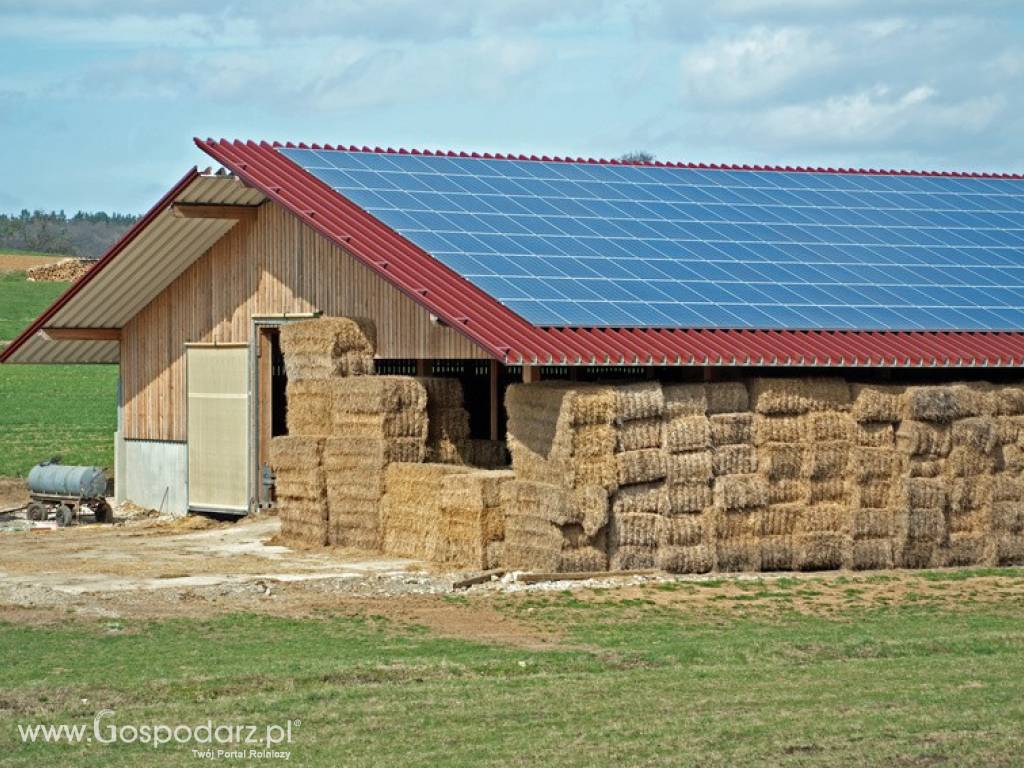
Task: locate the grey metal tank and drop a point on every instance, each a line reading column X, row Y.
column 63, row 480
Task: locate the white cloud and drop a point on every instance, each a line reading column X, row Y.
column 754, row 66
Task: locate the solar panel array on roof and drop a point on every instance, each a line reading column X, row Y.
column 601, row 245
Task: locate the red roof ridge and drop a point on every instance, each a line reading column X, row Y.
column 613, row 161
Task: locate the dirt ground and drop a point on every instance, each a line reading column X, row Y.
column 19, row 262
column 160, row 567
column 12, row 492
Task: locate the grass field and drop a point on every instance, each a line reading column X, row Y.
column 46, row 410
column 919, row 669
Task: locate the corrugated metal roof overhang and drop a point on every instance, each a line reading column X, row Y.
column 513, row 340
column 144, row 262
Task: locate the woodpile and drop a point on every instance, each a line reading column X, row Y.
column 64, row 271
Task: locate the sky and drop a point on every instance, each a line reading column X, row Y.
column 99, row 101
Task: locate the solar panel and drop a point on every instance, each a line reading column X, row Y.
column 590, row 244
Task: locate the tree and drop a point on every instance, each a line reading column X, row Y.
column 637, row 156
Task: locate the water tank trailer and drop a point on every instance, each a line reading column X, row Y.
column 66, row 492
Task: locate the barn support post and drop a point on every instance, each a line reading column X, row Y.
column 423, row 367
column 531, row 374
column 495, row 377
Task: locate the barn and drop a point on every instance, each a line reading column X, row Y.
column 496, row 270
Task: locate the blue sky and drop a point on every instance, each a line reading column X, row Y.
column 99, row 101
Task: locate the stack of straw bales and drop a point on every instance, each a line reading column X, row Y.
column 875, row 474
column 411, row 520
column 447, row 420
column 684, row 535
column 377, row 421
column 1006, row 513
column 301, row 489
column 562, row 440
column 639, row 500
column 473, row 519
column 328, row 347
column 804, row 429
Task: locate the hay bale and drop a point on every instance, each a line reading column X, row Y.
column 977, row 433
column 631, row 559
column 689, row 468
column 968, row 549
column 642, row 400
column 1010, row 430
column 404, row 423
column 777, row 553
column 821, row 518
column 787, row 430
column 779, row 519
column 828, row 426
column 442, row 392
column 735, row 523
column 526, row 498
column 740, row 492
column 634, row 530
column 924, row 524
column 685, row 400
column 734, row 555
column 588, row 507
column 781, row 462
column 727, row 397
column 1010, row 459
column 1007, row 400
column 641, row 466
column 698, row 558
column 875, row 434
column 356, row 453
column 924, row 493
column 581, row 560
column 687, row 433
column 877, row 402
column 447, row 431
column 787, row 491
column 475, row 489
column 1007, row 517
column 374, row 395
column 967, row 462
column 826, row 461
column 496, row 554
column 1007, row 488
column 411, row 520
column 873, row 494
column 1009, row 549
column 295, row 452
column 518, row 556
column 688, row 497
column 309, row 407
column 872, row 554
column 487, row 454
column 917, row 554
column 944, row 404
column 731, row 429
column 472, row 516
column 874, row 463
column 925, row 467
column 594, row 440
column 640, row 434
column 649, row 498
column 734, row 460
column 354, row 485
column 680, row 530
column 832, row 490
column 822, row 551
column 327, row 348
column 872, row 524
column 923, row 439
column 797, row 396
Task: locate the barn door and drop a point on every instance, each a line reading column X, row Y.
column 218, row 428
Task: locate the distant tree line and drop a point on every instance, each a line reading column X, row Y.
column 86, row 235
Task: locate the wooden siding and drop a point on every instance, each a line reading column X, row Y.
column 274, row 265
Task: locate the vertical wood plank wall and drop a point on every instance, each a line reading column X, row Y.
column 273, row 265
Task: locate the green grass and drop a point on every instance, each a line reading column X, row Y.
column 21, row 302
column 46, row 410
column 637, row 683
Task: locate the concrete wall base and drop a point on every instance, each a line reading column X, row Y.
column 155, row 475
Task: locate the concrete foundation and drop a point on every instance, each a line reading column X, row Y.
column 154, row 473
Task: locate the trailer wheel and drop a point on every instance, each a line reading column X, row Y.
column 37, row 511
column 65, row 515
column 102, row 511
